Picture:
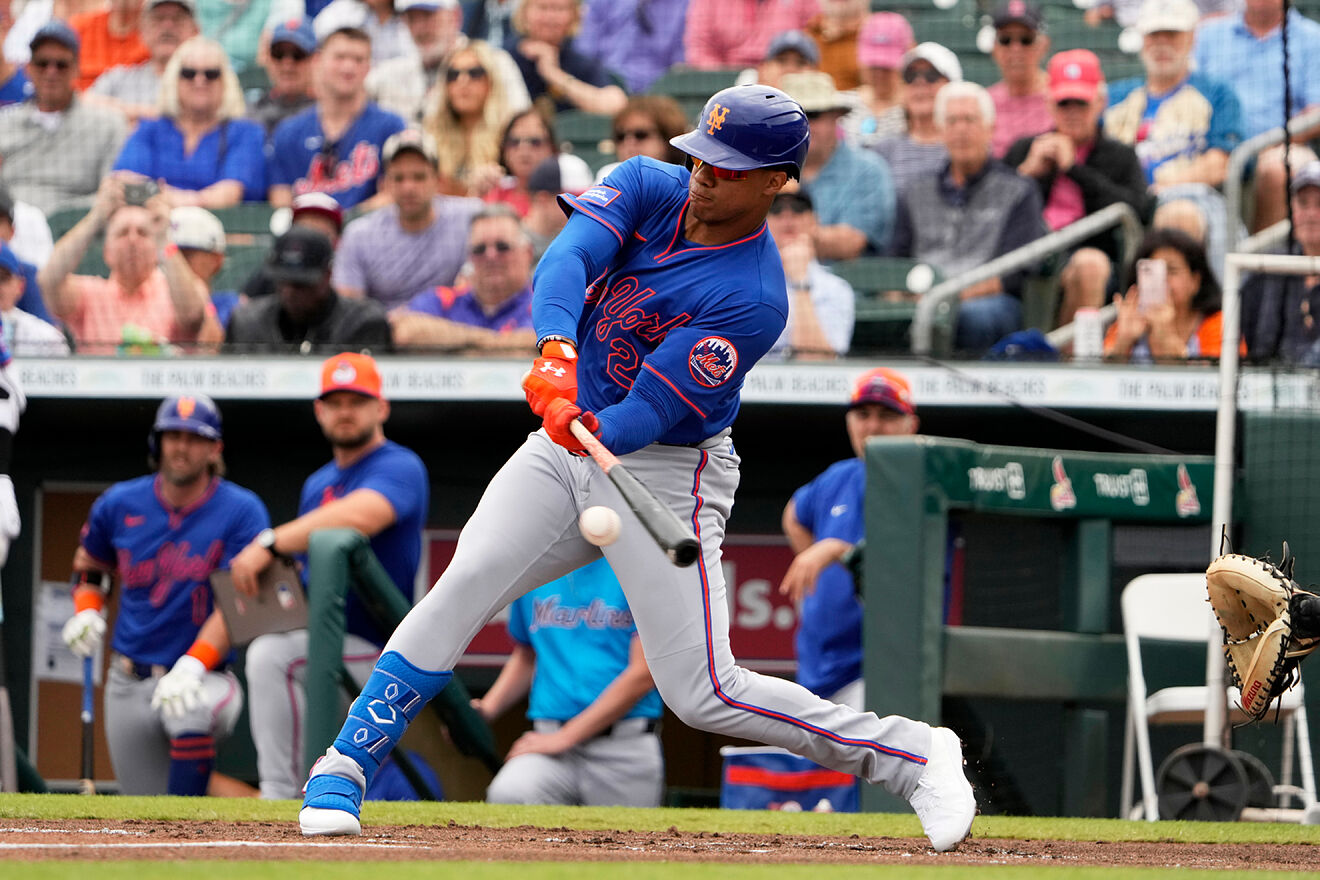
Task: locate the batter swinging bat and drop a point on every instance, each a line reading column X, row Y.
column 88, row 742
column 676, row 539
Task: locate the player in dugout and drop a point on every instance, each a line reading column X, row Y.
column 373, row 485
column 660, row 294
column 170, row 695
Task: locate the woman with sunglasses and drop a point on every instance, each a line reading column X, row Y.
column 925, row 69
column 555, row 72
column 1022, row 103
column 468, row 109
column 643, row 128
column 201, row 151
column 529, row 139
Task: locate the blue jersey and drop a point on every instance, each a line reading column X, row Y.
column 298, row 155
column 164, row 557
column 234, row 150
column 17, row 88
column 399, row 475
column 671, row 323
column 582, row 631
column 829, row 636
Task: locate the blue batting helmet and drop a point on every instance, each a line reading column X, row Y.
column 193, row 413
column 746, row 127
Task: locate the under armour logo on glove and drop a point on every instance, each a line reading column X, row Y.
column 553, row 376
column 548, row 367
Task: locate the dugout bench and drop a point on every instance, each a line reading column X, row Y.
column 917, row 655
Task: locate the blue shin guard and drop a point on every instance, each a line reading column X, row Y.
column 390, row 700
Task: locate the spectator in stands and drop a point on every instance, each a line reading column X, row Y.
column 851, row 188
column 545, row 218
column 467, row 117
column 14, row 83
column 1182, row 123
column 151, row 298
column 56, row 147
column 200, row 149
column 1126, row 12
column 789, row 52
column 407, row 84
column 636, row 39
column 552, row 67
column 134, row 89
column 1187, row 325
column 836, row 31
column 488, row 20
column 1281, row 313
column 736, row 33
column 25, row 335
column 333, row 146
column 1022, row 104
column 643, row 128
column 926, row 69
column 378, row 19
column 109, row 37
column 1245, row 50
column 414, row 244
column 492, row 308
column 885, row 38
column 820, row 303
column 1080, row 171
column 12, row 215
column 528, row 140
column 974, row 210
column 288, row 64
column 306, row 315
column 200, row 237
column 313, row 210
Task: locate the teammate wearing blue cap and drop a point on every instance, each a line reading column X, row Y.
column 168, row 698
column 684, row 292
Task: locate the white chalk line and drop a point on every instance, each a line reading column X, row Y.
column 214, row 844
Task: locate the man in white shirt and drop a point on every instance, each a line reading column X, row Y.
column 25, row 335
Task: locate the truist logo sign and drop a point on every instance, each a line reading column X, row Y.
column 1133, row 485
column 1009, row 480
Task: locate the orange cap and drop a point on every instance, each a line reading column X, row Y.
column 886, row 387
column 351, row 372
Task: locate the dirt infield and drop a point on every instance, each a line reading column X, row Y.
column 136, row 839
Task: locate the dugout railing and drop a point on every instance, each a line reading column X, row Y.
column 914, row 661
column 937, row 310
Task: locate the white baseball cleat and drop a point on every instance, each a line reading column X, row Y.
column 322, row 822
column 943, row 798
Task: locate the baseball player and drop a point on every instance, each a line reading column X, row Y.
column 593, row 706
column 684, row 292
column 169, row 697
column 823, row 521
column 12, row 404
column 373, row 485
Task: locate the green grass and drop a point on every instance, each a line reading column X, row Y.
column 52, row 806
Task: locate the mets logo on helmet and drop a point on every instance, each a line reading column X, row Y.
column 186, row 407
column 712, row 361
column 716, row 118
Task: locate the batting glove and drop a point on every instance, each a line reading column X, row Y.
column 10, row 524
column 557, row 416
column 553, row 376
column 179, row 691
column 83, row 632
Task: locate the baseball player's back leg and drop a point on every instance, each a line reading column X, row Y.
column 139, row 748
column 522, row 534
column 535, row 779
column 682, row 618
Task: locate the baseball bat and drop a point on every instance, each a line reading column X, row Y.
column 669, row 532
column 88, row 785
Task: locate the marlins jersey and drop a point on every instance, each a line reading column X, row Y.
column 582, row 631
column 299, row 156
column 829, row 636
column 679, row 323
column 399, row 475
column 164, row 556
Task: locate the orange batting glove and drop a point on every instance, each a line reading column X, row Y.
column 557, row 416
column 553, row 376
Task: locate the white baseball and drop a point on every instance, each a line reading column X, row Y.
column 599, row 525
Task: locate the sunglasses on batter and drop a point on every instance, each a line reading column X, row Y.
column 719, row 173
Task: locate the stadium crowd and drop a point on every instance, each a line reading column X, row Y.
column 372, row 141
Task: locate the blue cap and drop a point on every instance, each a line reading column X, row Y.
column 59, row 32
column 9, row 261
column 297, row 31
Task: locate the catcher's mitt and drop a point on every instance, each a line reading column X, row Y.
column 1256, row 603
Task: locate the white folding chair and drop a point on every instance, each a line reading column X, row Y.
column 1174, row 608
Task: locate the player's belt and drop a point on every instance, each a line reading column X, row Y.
column 140, row 671
column 623, row 727
column 709, row 443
